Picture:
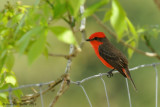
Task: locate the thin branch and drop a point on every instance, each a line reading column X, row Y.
column 62, row 55
column 82, row 26
column 157, row 2
column 32, row 97
column 123, row 42
column 52, row 7
column 64, row 84
column 73, row 52
column 50, row 4
column 148, row 44
column 64, row 87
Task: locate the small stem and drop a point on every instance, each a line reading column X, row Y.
column 123, row 42
column 62, row 55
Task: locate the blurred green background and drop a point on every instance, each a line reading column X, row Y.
column 141, row 13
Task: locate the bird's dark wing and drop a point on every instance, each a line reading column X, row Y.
column 114, row 57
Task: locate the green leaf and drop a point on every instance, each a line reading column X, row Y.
column 132, row 29
column 90, row 10
column 59, row 9
column 18, row 93
column 2, row 62
column 75, row 4
column 63, row 34
column 46, row 52
column 19, row 25
column 37, row 47
column 36, row 2
column 7, row 79
column 131, row 51
column 107, row 16
column 10, row 61
column 118, row 19
column 10, row 79
column 24, row 41
column 3, row 96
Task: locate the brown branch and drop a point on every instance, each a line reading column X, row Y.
column 157, row 2
column 148, row 43
column 27, row 99
column 82, row 26
column 63, row 55
column 72, row 50
column 123, row 42
column 64, row 87
column 65, row 78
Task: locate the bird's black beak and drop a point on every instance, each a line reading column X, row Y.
column 88, row 39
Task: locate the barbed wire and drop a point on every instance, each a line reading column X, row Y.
column 63, row 79
column 114, row 72
column 79, row 83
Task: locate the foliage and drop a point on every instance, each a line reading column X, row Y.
column 24, row 30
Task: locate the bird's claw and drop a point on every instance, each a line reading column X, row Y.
column 109, row 74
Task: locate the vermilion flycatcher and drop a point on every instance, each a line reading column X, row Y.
column 109, row 55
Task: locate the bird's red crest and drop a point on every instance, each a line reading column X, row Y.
column 97, row 34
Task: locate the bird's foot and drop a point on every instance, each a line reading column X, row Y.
column 109, row 74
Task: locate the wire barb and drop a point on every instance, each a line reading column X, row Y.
column 41, row 95
column 31, row 98
column 156, row 102
column 129, row 96
column 105, row 88
column 10, row 96
column 86, row 95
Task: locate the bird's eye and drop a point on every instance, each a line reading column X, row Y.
column 95, row 38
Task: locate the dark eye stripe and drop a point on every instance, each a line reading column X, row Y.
column 98, row 39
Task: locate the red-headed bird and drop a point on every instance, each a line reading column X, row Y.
column 109, row 55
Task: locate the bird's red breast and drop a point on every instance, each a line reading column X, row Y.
column 95, row 45
column 109, row 55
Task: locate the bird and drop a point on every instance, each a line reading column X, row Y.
column 110, row 56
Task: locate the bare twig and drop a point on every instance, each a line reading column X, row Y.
column 64, row 84
column 82, row 26
column 157, row 2
column 123, row 42
column 63, row 55
column 73, row 52
column 64, row 87
column 148, row 44
column 52, row 84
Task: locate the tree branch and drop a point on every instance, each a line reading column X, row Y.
column 123, row 42
column 157, row 2
column 82, row 26
column 63, row 55
column 27, row 99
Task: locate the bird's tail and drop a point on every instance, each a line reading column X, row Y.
column 126, row 72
